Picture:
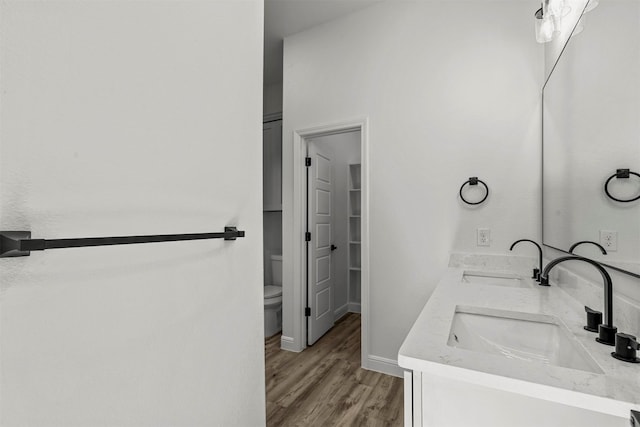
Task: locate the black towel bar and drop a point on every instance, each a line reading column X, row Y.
column 20, row 243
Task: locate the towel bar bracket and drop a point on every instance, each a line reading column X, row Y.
column 10, row 243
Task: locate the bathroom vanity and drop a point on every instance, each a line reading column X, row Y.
column 492, row 348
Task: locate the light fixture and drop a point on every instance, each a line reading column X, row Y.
column 557, row 8
column 591, row 4
column 544, row 27
column 561, row 18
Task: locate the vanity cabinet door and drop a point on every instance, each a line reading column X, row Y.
column 412, row 398
column 452, row 402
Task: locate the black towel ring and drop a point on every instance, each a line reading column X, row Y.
column 474, row 181
column 622, row 174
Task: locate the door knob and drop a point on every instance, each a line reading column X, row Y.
column 333, row 247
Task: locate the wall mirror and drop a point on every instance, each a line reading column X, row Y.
column 591, row 128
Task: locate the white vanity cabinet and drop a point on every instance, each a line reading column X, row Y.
column 441, row 401
column 272, row 165
column 502, row 366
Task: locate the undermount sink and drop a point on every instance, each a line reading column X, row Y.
column 535, row 338
column 494, row 279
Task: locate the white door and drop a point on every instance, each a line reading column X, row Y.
column 319, row 274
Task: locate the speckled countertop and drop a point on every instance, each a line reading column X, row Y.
column 425, row 348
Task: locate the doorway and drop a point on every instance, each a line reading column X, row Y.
column 333, row 230
column 350, row 236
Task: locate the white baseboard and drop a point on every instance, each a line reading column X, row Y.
column 354, row 307
column 289, row 344
column 385, row 366
column 341, row 311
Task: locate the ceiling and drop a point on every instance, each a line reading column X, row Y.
column 283, row 18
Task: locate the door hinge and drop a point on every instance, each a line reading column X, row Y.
column 307, row 237
column 307, row 311
column 307, row 161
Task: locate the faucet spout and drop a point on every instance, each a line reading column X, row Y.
column 603, row 250
column 536, row 275
column 606, row 331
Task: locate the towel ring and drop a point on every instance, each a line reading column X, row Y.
column 474, row 181
column 621, row 174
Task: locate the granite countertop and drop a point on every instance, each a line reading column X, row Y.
column 614, row 392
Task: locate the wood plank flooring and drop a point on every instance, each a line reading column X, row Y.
column 325, row 386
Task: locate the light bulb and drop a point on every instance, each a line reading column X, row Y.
column 558, row 8
column 544, row 30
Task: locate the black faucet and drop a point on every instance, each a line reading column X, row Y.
column 603, row 250
column 606, row 331
column 536, row 271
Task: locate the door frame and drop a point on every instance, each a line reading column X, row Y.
column 300, row 141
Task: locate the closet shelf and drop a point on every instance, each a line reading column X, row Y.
column 354, row 234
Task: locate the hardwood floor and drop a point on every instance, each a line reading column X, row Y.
column 325, row 386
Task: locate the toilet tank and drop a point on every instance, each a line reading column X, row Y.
column 276, row 270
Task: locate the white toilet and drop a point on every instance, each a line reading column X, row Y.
column 273, row 299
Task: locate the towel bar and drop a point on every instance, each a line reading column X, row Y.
column 20, row 243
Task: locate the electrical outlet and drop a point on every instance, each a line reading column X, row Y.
column 609, row 240
column 484, row 237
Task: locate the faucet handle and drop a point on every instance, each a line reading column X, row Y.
column 536, row 274
column 594, row 318
column 626, row 346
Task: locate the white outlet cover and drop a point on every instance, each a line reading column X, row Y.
column 484, row 237
column 609, row 240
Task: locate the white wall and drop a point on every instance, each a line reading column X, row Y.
column 125, row 118
column 344, row 149
column 451, row 90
